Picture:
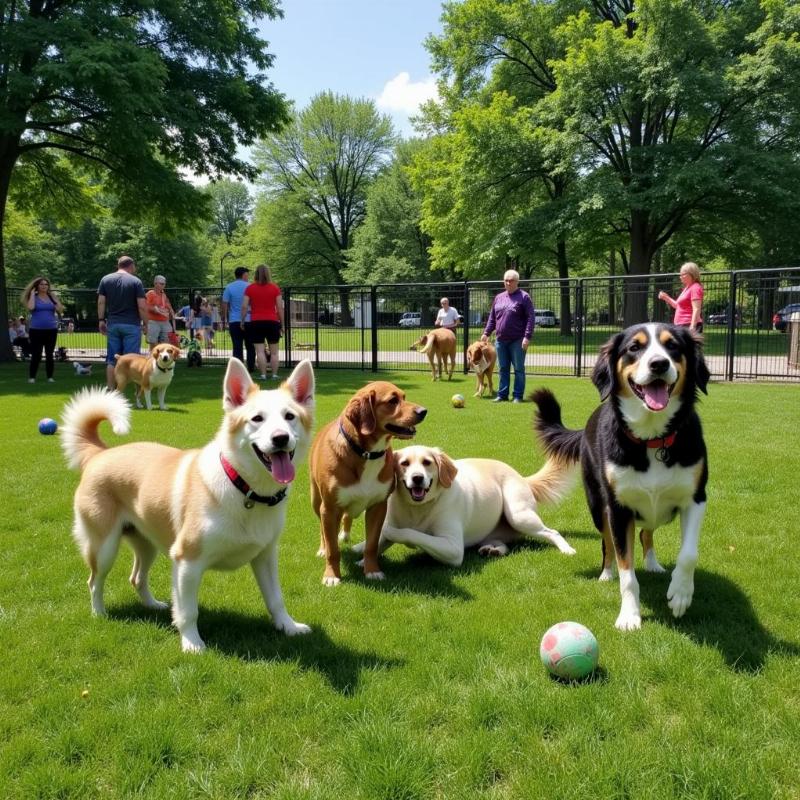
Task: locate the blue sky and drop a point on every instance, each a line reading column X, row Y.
column 364, row 48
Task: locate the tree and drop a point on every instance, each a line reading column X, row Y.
column 231, row 205
column 320, row 167
column 133, row 93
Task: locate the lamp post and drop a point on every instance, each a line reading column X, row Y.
column 221, row 262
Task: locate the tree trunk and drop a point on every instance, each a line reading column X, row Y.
column 563, row 274
column 6, row 166
column 344, row 304
column 635, row 299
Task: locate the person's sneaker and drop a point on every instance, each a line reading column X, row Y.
column 263, row 377
column 499, row 399
column 518, row 400
column 275, row 377
column 31, row 380
column 51, row 380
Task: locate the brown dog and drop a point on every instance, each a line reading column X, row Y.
column 149, row 372
column 481, row 356
column 440, row 343
column 352, row 469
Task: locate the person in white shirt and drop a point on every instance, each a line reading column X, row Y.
column 447, row 316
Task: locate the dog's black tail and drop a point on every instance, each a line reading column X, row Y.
column 557, row 440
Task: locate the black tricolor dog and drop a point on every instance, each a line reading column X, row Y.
column 642, row 454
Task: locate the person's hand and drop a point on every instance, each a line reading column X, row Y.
column 103, row 326
column 484, row 338
column 662, row 295
column 525, row 343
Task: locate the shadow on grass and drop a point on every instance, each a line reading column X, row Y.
column 253, row 638
column 721, row 616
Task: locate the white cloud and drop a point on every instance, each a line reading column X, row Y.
column 400, row 94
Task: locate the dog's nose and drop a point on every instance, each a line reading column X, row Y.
column 659, row 365
column 421, row 413
column 280, row 440
column 417, row 480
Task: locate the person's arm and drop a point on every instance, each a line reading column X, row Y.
column 152, row 304
column 438, row 321
column 279, row 309
column 696, row 307
column 142, row 305
column 456, row 322
column 526, row 338
column 101, row 313
column 245, row 307
column 30, row 303
column 667, row 299
column 490, row 324
column 57, row 303
column 223, row 313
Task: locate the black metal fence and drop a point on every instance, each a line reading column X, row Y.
column 747, row 334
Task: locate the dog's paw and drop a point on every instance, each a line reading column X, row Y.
column 375, row 576
column 606, row 575
column 358, row 549
column 192, row 644
column 628, row 621
column 321, row 552
column 292, row 628
column 492, row 550
column 651, row 563
column 344, row 536
column 330, row 580
column 680, row 593
column 158, row 605
column 566, row 549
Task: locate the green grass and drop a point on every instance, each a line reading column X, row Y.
column 427, row 685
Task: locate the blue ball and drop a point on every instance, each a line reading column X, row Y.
column 47, row 426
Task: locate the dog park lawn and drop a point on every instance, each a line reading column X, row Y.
column 429, row 684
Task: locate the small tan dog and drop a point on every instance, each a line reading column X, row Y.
column 218, row 507
column 440, row 343
column 352, row 470
column 149, row 372
column 481, row 356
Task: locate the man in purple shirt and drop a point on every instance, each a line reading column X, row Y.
column 511, row 318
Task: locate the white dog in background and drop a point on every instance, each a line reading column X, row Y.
column 443, row 506
column 219, row 507
column 82, row 369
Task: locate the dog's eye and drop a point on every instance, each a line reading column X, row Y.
column 257, row 418
column 634, row 347
column 672, row 345
column 288, row 416
column 426, row 462
column 394, row 400
column 404, row 463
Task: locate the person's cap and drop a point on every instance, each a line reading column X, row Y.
column 159, row 279
column 239, row 271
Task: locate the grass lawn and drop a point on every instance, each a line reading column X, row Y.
column 427, row 685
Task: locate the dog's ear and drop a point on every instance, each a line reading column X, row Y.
column 694, row 346
column 361, row 412
column 176, row 352
column 301, row 383
column 447, row 469
column 603, row 374
column 237, row 385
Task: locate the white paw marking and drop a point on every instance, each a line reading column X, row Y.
column 679, row 594
column 606, row 575
column 331, row 580
column 292, row 628
column 374, row 576
column 628, row 621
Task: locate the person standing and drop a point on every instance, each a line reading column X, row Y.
column 121, row 310
column 689, row 305
column 232, row 298
column 19, row 337
column 160, row 314
column 263, row 300
column 45, row 307
column 512, row 320
column 447, row 316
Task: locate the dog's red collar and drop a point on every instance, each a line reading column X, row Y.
column 250, row 497
column 660, row 445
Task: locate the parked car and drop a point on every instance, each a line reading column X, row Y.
column 780, row 321
column 411, row 319
column 721, row 318
column 544, row 318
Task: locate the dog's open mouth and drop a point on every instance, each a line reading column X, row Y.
column 279, row 463
column 401, row 432
column 417, row 493
column 655, row 395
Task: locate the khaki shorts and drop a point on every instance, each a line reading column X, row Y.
column 157, row 332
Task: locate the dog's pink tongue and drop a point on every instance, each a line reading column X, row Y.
column 282, row 467
column 656, row 395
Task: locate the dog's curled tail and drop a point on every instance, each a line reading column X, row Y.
column 82, row 417
column 559, row 442
column 553, row 481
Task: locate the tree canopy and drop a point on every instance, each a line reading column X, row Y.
column 134, row 94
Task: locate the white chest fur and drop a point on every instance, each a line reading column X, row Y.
column 365, row 493
column 160, row 377
column 655, row 495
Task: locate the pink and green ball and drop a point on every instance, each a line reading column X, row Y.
column 569, row 650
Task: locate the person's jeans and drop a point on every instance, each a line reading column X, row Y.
column 123, row 338
column 509, row 353
column 237, row 337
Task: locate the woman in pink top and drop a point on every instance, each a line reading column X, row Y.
column 689, row 305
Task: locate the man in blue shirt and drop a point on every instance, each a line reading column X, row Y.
column 232, row 315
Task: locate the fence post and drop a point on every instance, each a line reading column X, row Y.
column 316, row 327
column 373, row 304
column 287, row 328
column 580, row 319
column 730, row 338
column 465, row 308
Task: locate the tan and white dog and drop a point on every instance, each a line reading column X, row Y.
column 443, row 506
column 153, row 371
column 218, row 507
column 481, row 356
column 439, row 344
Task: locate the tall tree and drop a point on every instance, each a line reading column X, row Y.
column 134, row 91
column 322, row 165
column 231, row 206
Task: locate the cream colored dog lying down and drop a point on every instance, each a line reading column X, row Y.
column 219, row 507
column 443, row 506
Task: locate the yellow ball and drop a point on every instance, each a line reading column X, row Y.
column 457, row 400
